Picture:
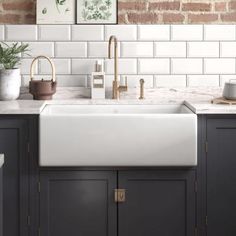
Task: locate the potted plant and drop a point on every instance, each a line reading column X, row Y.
column 10, row 78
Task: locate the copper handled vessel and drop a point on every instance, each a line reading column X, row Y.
column 42, row 89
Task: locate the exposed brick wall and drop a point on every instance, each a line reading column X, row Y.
column 139, row 11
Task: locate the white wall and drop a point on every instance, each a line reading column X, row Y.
column 164, row 55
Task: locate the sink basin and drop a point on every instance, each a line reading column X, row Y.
column 118, row 135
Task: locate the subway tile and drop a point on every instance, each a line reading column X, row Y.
column 134, row 80
column 2, row 33
column 87, row 32
column 71, row 49
column 83, row 66
column 203, row 49
column 187, row 66
column 203, row 80
column 186, row 32
column 25, row 66
column 170, row 49
column 219, row 32
column 54, row 32
column 154, row 32
column 125, row 66
column 72, row 80
column 137, row 49
column 21, row 32
column 63, row 66
column 219, row 66
column 170, row 80
column 154, row 66
column 226, row 78
column 99, row 49
column 122, row 32
column 228, row 49
column 40, row 48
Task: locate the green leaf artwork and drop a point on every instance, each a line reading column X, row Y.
column 60, row 3
column 96, row 10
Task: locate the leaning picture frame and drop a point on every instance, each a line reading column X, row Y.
column 97, row 12
column 56, row 12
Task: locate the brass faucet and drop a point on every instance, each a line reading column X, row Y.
column 116, row 88
column 141, row 81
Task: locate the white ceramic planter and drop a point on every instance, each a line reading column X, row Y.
column 10, row 82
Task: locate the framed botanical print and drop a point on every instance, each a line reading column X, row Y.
column 56, row 11
column 97, row 11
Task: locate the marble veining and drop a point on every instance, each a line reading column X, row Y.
column 197, row 99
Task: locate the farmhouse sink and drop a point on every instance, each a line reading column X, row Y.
column 118, row 135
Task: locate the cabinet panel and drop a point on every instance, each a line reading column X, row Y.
column 13, row 144
column 78, row 203
column 157, row 203
column 221, row 177
column 1, row 205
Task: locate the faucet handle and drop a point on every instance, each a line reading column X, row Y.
column 141, row 81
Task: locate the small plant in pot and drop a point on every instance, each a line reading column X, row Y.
column 10, row 78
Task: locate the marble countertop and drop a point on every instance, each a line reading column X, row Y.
column 197, row 99
column 1, row 160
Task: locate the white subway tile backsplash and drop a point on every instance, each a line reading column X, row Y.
column 228, row 49
column 219, row 66
column 2, row 33
column 226, row 78
column 137, row 49
column 154, row 66
column 71, row 49
column 21, row 32
column 63, row 66
column 154, row 32
column 219, row 32
column 125, row 66
column 40, row 48
column 203, row 49
column 203, row 80
column 83, row 66
column 164, row 55
column 187, row 66
column 54, row 32
column 186, row 32
column 134, row 80
column 99, row 49
column 170, row 80
column 122, row 32
column 87, row 32
column 170, row 49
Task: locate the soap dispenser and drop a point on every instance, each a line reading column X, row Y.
column 98, row 82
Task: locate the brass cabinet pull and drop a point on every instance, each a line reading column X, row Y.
column 120, row 195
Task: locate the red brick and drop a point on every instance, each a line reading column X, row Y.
column 164, row 5
column 228, row 17
column 220, row 6
column 138, row 6
column 21, row 6
column 202, row 18
column 10, row 18
column 196, row 6
column 173, row 18
column 232, row 5
column 142, row 18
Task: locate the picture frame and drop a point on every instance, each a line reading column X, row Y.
column 56, row 11
column 97, row 12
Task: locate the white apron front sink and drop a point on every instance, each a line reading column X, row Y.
column 118, row 135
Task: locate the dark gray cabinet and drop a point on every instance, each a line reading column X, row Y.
column 157, row 203
column 1, row 203
column 78, row 203
column 13, row 144
column 221, row 177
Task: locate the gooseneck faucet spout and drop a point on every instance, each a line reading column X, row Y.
column 116, row 88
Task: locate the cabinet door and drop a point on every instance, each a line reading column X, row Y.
column 221, row 177
column 158, row 203
column 13, row 144
column 78, row 203
column 1, row 211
